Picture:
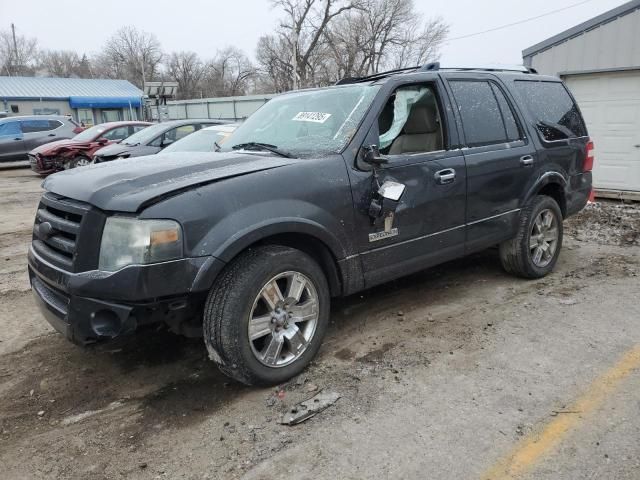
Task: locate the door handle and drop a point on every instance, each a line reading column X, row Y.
column 17, row 139
column 51, row 135
column 526, row 160
column 442, row 177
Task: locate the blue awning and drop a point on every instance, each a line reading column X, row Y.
column 104, row 102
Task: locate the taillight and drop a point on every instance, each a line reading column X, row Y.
column 588, row 161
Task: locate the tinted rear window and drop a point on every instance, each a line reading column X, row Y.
column 32, row 126
column 555, row 113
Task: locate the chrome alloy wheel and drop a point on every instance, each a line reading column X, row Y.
column 283, row 319
column 543, row 240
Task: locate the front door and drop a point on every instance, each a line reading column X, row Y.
column 500, row 159
column 426, row 226
column 11, row 141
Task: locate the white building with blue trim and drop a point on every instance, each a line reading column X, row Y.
column 90, row 101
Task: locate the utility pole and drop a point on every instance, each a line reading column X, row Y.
column 15, row 43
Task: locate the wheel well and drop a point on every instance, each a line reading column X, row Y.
column 555, row 191
column 313, row 247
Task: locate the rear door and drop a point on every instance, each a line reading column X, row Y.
column 426, row 226
column 500, row 158
column 38, row 132
column 11, row 141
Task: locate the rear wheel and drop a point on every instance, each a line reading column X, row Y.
column 534, row 251
column 266, row 315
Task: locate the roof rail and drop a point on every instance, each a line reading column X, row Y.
column 375, row 76
column 432, row 67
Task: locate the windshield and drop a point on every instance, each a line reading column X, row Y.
column 145, row 135
column 200, row 141
column 308, row 123
column 90, row 134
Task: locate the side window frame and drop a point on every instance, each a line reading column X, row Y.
column 493, row 84
column 531, row 117
column 444, row 113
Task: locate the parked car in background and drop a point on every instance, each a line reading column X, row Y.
column 20, row 135
column 78, row 151
column 152, row 139
column 204, row 140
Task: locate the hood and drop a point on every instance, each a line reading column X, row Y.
column 115, row 149
column 49, row 148
column 127, row 185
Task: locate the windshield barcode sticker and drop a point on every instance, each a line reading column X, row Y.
column 315, row 117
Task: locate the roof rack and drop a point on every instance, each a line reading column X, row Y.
column 432, row 67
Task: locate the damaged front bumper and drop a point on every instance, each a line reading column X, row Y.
column 92, row 306
column 43, row 165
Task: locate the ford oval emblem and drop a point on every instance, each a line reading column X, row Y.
column 45, row 229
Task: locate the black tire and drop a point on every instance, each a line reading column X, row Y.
column 516, row 254
column 229, row 305
column 75, row 161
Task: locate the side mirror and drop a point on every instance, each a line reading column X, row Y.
column 372, row 156
column 102, row 140
column 391, row 190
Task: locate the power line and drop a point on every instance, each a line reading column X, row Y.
column 519, row 21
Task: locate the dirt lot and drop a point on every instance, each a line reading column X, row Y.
column 458, row 372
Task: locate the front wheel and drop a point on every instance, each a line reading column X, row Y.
column 534, row 251
column 77, row 161
column 266, row 315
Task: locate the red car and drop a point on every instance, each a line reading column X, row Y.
column 77, row 151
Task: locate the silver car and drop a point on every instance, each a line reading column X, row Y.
column 20, row 135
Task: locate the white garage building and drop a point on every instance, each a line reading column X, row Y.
column 600, row 62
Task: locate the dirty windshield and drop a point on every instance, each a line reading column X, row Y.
column 145, row 135
column 306, row 124
column 90, row 134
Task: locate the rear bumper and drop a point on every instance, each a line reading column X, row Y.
column 91, row 306
column 580, row 189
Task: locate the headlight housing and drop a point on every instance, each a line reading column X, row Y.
column 130, row 241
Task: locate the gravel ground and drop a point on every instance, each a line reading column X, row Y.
column 440, row 375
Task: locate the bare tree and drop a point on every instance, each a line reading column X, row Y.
column 383, row 34
column 228, row 74
column 273, row 55
column 17, row 57
column 187, row 69
column 60, row 63
column 302, row 31
column 131, row 54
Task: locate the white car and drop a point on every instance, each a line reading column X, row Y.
column 204, row 140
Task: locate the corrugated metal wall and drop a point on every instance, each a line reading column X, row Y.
column 610, row 46
column 226, row 108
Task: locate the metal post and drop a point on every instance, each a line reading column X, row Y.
column 15, row 43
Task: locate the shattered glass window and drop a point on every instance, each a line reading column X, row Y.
column 481, row 115
column 556, row 115
column 308, row 123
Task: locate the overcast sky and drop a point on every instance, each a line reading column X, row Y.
column 205, row 26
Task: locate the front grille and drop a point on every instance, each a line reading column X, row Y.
column 57, row 300
column 56, row 229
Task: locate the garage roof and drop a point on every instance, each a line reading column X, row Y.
column 606, row 17
column 35, row 88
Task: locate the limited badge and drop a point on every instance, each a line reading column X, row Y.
column 374, row 237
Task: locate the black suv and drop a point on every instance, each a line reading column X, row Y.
column 320, row 193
